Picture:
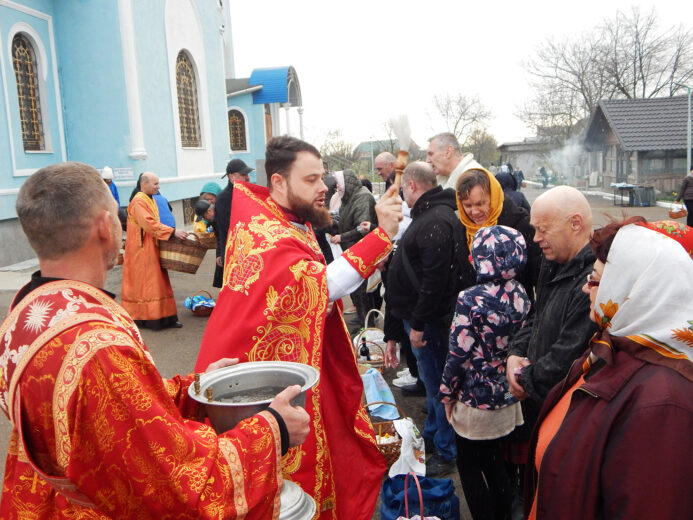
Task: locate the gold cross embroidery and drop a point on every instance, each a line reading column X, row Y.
column 34, row 478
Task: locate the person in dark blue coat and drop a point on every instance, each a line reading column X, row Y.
column 509, row 184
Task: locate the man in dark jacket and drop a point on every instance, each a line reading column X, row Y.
column 236, row 170
column 557, row 332
column 420, row 292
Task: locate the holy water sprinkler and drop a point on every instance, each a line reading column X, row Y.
column 400, row 127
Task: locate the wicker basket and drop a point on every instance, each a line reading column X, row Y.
column 208, row 240
column 181, row 254
column 377, row 355
column 374, row 338
column 681, row 213
column 203, row 310
column 392, row 450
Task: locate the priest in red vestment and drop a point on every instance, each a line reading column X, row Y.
column 280, row 301
column 97, row 433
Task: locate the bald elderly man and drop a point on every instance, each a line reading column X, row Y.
column 384, row 164
column 146, row 291
column 557, row 333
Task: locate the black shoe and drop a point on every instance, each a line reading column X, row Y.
column 176, row 325
column 437, row 466
column 415, row 390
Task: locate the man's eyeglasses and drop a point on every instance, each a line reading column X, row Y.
column 591, row 282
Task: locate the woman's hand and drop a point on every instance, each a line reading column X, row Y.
column 448, row 411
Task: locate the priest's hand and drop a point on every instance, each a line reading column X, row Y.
column 180, row 233
column 296, row 418
column 389, row 211
column 221, row 363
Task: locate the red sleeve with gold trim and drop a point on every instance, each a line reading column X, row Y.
column 118, row 420
column 368, row 252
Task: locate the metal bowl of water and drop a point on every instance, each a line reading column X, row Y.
column 231, row 394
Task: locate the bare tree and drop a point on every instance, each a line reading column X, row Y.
column 483, row 145
column 461, row 114
column 642, row 62
column 337, row 152
column 625, row 57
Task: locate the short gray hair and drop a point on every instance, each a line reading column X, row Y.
column 446, row 139
column 421, row 173
column 57, row 205
column 385, row 156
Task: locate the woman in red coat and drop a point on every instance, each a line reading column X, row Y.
column 613, row 438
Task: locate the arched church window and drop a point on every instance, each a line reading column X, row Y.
column 237, row 131
column 187, row 102
column 26, row 72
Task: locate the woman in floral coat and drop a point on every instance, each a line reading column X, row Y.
column 474, row 387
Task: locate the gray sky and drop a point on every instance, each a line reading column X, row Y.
column 361, row 62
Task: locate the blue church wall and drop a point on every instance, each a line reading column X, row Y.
column 15, row 163
column 87, row 105
column 93, row 87
column 216, row 83
column 255, row 122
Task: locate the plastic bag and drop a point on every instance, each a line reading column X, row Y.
column 438, row 497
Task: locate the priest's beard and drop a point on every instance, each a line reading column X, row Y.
column 318, row 216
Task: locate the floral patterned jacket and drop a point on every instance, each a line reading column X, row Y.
column 487, row 315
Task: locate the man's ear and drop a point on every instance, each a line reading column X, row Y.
column 102, row 222
column 278, row 183
column 576, row 223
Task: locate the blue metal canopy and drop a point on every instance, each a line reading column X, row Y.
column 279, row 85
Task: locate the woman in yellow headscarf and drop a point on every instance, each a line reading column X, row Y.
column 481, row 203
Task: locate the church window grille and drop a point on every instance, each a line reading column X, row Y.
column 237, row 131
column 187, row 102
column 26, row 72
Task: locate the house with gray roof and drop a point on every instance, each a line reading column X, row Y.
column 641, row 141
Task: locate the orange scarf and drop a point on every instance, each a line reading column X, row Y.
column 496, row 208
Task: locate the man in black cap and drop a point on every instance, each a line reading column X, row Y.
column 236, row 170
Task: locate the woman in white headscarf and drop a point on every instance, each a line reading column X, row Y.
column 613, row 438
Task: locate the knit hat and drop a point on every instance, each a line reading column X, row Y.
column 107, row 173
column 211, row 187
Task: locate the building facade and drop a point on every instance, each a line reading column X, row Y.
column 641, row 141
column 138, row 86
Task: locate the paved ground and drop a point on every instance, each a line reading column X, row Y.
column 175, row 351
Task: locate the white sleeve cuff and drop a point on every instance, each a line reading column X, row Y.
column 342, row 279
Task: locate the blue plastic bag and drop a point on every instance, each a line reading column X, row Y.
column 438, row 497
